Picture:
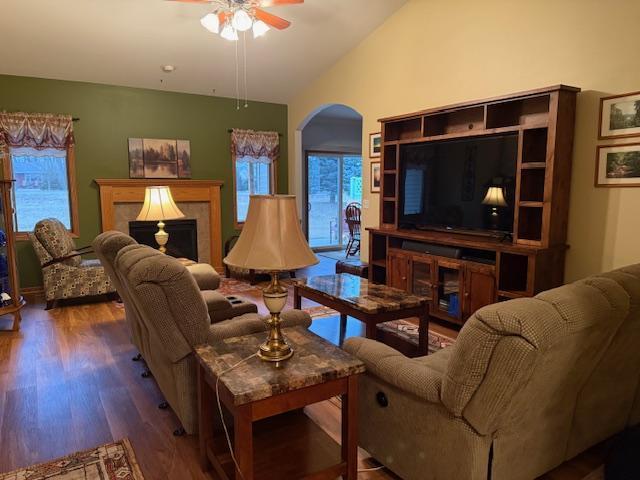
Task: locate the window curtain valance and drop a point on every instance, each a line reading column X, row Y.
column 263, row 147
column 36, row 130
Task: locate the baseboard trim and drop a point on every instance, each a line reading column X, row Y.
column 38, row 290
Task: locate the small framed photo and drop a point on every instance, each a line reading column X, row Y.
column 620, row 116
column 375, row 145
column 375, row 177
column 618, row 165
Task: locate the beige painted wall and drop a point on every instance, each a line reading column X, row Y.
column 436, row 52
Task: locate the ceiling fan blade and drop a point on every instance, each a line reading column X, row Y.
column 275, row 3
column 272, row 20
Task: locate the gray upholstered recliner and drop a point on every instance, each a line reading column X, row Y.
column 167, row 302
column 220, row 307
column 529, row 384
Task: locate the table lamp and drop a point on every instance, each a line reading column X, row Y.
column 494, row 198
column 272, row 241
column 159, row 206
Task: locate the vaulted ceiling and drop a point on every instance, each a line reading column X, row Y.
column 126, row 42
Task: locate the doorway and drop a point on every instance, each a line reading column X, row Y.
column 332, row 174
column 334, row 180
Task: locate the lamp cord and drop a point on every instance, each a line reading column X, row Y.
column 224, row 425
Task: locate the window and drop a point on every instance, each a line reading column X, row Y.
column 254, row 156
column 253, row 177
column 41, row 188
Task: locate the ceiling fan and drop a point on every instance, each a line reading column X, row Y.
column 232, row 16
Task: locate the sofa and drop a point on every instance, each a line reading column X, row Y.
column 174, row 318
column 65, row 274
column 529, row 384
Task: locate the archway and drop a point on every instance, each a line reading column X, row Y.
column 330, row 166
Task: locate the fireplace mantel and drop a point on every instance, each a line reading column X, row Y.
column 115, row 192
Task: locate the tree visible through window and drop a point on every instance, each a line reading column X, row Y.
column 41, row 186
column 252, row 178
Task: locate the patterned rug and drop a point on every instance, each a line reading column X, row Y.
column 114, row 461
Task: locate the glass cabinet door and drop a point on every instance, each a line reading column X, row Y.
column 449, row 288
column 421, row 281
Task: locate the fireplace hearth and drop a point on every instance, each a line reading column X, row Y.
column 183, row 236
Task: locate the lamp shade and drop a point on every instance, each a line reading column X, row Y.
column 495, row 197
column 271, row 238
column 159, row 205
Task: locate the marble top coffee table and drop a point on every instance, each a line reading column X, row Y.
column 259, row 394
column 371, row 303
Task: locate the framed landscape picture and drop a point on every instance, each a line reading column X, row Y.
column 618, row 165
column 375, row 144
column 620, row 116
column 375, row 177
column 159, row 158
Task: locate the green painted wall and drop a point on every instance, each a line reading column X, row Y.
column 109, row 115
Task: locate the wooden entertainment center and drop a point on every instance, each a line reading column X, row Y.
column 485, row 269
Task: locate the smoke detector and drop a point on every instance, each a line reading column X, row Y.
column 168, row 68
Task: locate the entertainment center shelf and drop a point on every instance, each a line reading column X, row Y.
column 484, row 269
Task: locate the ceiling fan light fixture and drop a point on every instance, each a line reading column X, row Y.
column 241, row 21
column 229, row 33
column 211, row 22
column 260, row 28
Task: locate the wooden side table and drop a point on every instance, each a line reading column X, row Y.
column 268, row 442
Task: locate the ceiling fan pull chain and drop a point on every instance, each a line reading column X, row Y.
column 237, row 80
column 246, row 90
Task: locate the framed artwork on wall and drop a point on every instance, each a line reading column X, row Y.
column 375, row 144
column 159, row 158
column 620, row 116
column 618, row 165
column 375, row 177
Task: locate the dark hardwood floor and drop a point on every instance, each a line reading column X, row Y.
column 67, row 383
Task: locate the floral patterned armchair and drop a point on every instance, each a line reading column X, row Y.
column 65, row 274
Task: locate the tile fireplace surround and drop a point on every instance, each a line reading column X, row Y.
column 121, row 200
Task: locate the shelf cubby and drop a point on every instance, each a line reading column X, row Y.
column 403, row 129
column 389, row 184
column 524, row 111
column 530, row 224
column 378, row 274
column 389, row 159
column 388, row 212
column 532, row 185
column 534, row 146
column 456, row 121
column 513, row 274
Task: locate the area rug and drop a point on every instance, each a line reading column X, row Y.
column 231, row 286
column 409, row 332
column 114, row 461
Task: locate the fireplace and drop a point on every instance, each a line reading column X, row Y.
column 183, row 236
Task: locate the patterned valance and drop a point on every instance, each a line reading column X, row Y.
column 260, row 146
column 36, row 130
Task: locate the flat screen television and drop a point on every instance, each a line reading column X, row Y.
column 446, row 185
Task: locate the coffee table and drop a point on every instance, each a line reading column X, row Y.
column 371, row 303
column 258, row 394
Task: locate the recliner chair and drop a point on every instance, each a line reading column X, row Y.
column 166, row 300
column 64, row 272
column 528, row 385
column 220, row 307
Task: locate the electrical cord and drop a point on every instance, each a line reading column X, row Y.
column 224, row 425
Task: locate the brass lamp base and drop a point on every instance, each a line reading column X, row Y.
column 275, row 349
column 161, row 237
